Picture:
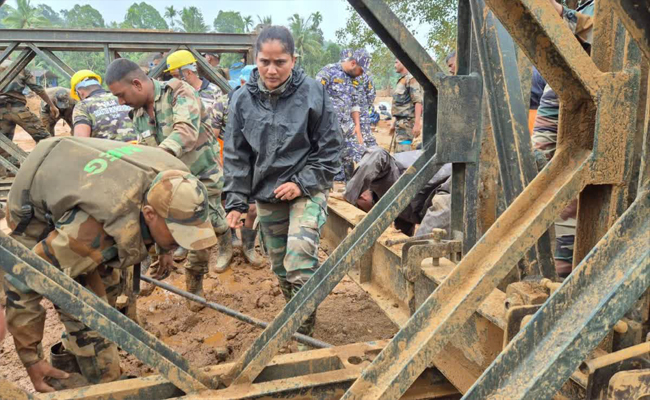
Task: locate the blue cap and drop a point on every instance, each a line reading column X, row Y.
column 361, row 56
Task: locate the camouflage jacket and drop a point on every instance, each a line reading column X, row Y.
column 343, row 92
column 61, row 99
column 14, row 92
column 180, row 126
column 105, row 116
column 406, row 94
column 367, row 92
column 213, row 100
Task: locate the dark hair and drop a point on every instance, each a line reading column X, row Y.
column 450, row 56
column 279, row 33
column 121, row 69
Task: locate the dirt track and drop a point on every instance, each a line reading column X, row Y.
column 346, row 316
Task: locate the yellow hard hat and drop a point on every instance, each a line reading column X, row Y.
column 179, row 58
column 79, row 77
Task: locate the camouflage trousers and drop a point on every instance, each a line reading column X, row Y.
column 76, row 246
column 291, row 234
column 12, row 114
column 369, row 139
column 50, row 123
column 198, row 261
column 404, row 134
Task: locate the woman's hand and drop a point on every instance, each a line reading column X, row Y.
column 287, row 191
column 234, row 219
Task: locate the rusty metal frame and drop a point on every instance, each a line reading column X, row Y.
column 579, row 161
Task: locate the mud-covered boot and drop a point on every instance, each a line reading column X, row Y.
column 194, row 285
column 225, row 251
column 235, row 240
column 62, row 359
column 248, row 246
column 307, row 327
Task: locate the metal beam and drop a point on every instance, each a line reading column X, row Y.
column 154, row 73
column 23, row 266
column 7, row 51
column 207, row 71
column 577, row 316
column 635, row 14
column 53, row 60
column 122, row 36
column 12, row 148
column 509, row 119
column 15, row 68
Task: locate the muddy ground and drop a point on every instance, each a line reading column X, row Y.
column 348, row 315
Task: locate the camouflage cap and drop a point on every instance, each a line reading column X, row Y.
column 62, row 98
column 361, row 56
column 182, row 200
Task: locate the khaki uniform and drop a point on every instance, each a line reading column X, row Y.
column 62, row 100
column 13, row 107
column 81, row 230
column 406, row 95
column 180, row 126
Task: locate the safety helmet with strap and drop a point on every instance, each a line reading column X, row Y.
column 178, row 59
column 81, row 76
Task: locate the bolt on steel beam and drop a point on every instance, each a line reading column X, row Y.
column 30, row 271
column 577, row 316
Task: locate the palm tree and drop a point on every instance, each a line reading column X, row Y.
column 304, row 36
column 248, row 23
column 24, row 16
column 171, row 13
column 267, row 20
column 317, row 18
column 192, row 20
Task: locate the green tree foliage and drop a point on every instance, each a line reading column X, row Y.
column 229, row 22
column 266, row 20
column 51, row 15
column 248, row 24
column 83, row 17
column 171, row 13
column 143, row 16
column 24, row 16
column 192, row 20
column 305, row 35
column 4, row 11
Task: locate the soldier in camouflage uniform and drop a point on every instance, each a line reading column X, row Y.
column 61, row 98
column 545, row 134
column 99, row 115
column 57, row 206
column 13, row 106
column 338, row 81
column 407, row 109
column 171, row 116
column 367, row 94
column 282, row 149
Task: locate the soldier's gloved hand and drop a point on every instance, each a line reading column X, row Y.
column 165, row 266
column 39, row 371
column 54, row 112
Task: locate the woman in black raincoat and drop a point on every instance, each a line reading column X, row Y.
column 282, row 149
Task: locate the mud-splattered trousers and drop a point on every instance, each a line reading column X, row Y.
column 16, row 113
column 291, row 233
column 79, row 247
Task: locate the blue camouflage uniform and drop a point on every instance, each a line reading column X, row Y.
column 345, row 98
column 367, row 95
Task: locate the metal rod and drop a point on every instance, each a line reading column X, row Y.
column 611, row 358
column 432, row 235
column 304, row 339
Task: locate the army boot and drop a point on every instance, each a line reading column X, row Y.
column 307, row 327
column 248, row 246
column 235, row 240
column 62, row 359
column 225, row 251
column 194, row 285
column 180, row 254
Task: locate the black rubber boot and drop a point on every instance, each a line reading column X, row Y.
column 248, row 246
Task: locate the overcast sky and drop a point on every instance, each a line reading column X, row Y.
column 334, row 11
